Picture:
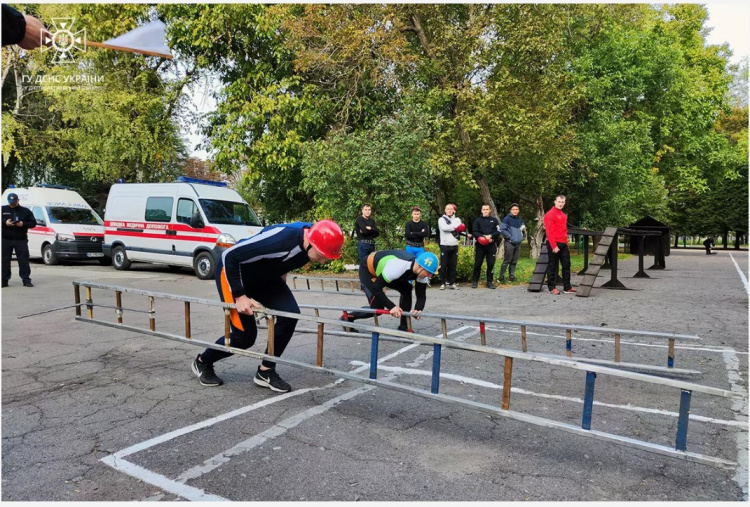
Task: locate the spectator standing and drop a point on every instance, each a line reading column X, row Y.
column 450, row 229
column 366, row 231
column 17, row 220
column 512, row 229
column 416, row 230
column 556, row 225
column 486, row 230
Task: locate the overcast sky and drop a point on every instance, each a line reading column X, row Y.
column 730, row 21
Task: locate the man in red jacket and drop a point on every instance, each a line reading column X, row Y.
column 556, row 225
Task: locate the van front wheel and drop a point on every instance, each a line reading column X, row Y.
column 49, row 256
column 120, row 258
column 204, row 265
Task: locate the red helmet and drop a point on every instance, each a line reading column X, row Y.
column 460, row 228
column 327, row 237
column 483, row 241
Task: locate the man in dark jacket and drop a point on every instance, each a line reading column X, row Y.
column 416, row 230
column 17, row 220
column 486, row 230
column 511, row 228
column 366, row 231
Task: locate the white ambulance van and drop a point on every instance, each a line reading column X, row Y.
column 67, row 227
column 185, row 223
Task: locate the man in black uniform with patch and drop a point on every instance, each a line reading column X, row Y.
column 17, row 220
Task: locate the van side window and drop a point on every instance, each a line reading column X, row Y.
column 38, row 215
column 186, row 209
column 159, row 209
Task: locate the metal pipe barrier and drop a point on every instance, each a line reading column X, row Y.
column 569, row 328
column 686, row 389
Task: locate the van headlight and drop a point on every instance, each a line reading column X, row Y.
column 225, row 240
column 64, row 237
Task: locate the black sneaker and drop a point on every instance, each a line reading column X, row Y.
column 512, row 278
column 490, row 285
column 404, row 328
column 28, row 284
column 206, row 373
column 474, row 285
column 271, row 380
column 5, row 283
column 348, row 329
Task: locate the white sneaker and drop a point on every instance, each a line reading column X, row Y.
column 454, row 286
column 442, row 287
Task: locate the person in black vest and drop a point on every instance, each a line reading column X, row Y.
column 486, row 230
column 17, row 220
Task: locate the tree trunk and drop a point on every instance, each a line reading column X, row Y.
column 676, row 239
column 725, row 239
column 535, row 240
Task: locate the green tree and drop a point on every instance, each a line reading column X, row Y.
column 386, row 166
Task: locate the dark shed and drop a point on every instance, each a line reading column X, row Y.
column 653, row 245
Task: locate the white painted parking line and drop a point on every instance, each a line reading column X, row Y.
column 740, row 410
column 274, row 431
column 282, row 427
column 742, row 275
column 178, row 487
column 491, row 385
column 209, row 422
column 158, row 480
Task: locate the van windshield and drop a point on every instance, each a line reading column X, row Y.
column 229, row 212
column 73, row 216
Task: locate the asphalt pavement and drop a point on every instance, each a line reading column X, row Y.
column 94, row 413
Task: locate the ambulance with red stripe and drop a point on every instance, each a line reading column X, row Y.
column 187, row 223
column 67, row 227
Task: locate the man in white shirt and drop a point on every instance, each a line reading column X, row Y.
column 450, row 229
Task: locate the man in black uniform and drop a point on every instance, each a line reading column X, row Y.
column 366, row 231
column 486, row 230
column 395, row 269
column 17, row 220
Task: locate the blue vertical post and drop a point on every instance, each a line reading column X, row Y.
column 435, row 368
column 682, row 422
column 588, row 400
column 568, row 343
column 374, row 356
